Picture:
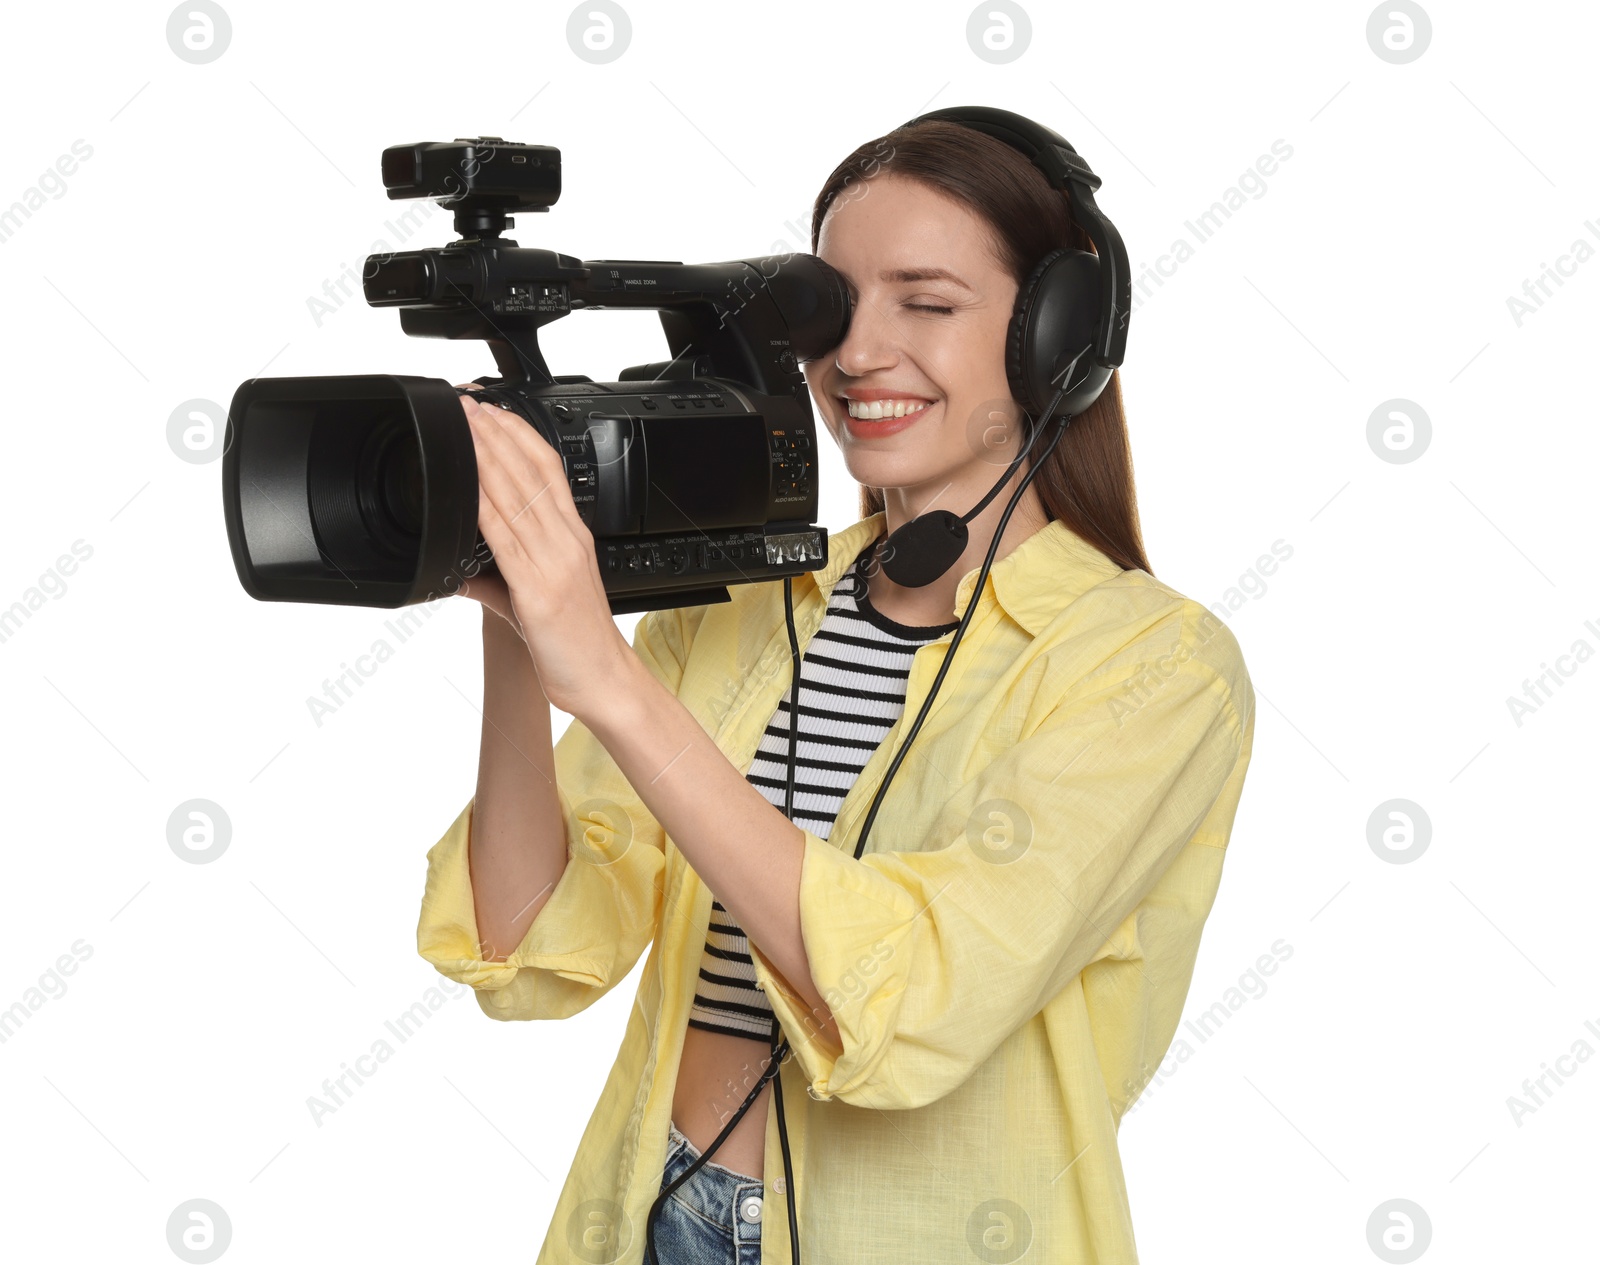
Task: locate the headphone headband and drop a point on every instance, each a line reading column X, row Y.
column 1066, row 170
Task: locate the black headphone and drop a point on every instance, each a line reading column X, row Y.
column 1068, row 331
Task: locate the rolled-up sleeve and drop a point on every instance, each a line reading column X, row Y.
column 928, row 959
column 604, row 909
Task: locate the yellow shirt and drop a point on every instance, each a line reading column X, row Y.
column 1006, row 963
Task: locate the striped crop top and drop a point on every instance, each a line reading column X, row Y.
column 852, row 690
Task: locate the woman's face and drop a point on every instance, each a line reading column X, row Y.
column 918, row 338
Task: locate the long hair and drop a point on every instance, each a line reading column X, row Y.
column 1087, row 481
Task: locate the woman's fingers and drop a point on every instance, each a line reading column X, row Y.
column 519, row 576
column 543, row 459
column 519, row 489
column 527, row 516
column 506, row 483
column 493, row 484
column 498, row 493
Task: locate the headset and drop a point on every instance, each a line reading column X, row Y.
column 1068, row 331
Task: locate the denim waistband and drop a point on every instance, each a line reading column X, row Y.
column 718, row 1194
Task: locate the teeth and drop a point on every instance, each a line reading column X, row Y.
column 878, row 409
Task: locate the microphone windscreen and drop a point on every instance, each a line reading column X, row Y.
column 922, row 550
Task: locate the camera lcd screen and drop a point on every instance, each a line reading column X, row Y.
column 706, row 472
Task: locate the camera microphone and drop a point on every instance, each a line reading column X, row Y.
column 918, row 552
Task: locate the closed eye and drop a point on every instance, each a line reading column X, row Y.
column 925, row 307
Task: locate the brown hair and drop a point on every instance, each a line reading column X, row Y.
column 1087, row 481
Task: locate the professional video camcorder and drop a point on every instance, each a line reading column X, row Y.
column 692, row 473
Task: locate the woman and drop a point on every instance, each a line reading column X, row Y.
column 973, row 1003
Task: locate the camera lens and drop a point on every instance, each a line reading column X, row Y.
column 400, row 477
column 389, row 486
column 356, row 490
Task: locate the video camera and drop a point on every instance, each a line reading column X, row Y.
column 692, row 473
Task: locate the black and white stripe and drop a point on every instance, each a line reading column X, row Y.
column 852, row 691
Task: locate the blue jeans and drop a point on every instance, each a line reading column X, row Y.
column 708, row 1219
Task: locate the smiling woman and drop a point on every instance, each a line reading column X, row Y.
column 942, row 239
column 965, row 1003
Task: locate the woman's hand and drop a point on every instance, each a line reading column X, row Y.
column 553, row 593
column 489, row 588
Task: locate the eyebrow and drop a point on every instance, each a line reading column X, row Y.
column 916, row 274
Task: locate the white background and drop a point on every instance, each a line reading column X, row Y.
column 179, row 260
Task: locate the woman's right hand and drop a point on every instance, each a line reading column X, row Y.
column 489, row 588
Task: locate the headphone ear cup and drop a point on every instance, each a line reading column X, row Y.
column 1017, row 336
column 1056, row 317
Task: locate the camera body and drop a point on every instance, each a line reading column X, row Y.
column 692, row 474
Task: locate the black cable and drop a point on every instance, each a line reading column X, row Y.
column 779, row 1050
column 661, row 1199
column 972, row 605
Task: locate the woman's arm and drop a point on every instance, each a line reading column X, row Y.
column 744, row 848
column 519, row 843
column 624, row 708
column 599, row 905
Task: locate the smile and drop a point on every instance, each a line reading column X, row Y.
column 877, row 410
column 884, row 417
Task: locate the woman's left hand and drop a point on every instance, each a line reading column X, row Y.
column 546, row 554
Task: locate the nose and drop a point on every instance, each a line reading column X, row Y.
column 873, row 341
